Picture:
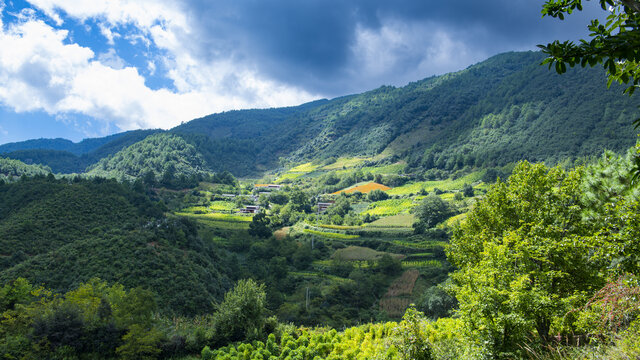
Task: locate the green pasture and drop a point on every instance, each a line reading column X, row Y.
column 429, row 186
column 390, row 207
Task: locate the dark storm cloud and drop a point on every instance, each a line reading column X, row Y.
column 312, row 43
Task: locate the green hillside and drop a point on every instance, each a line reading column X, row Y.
column 160, row 154
column 499, row 111
column 60, row 235
column 502, row 110
column 11, row 169
column 64, row 156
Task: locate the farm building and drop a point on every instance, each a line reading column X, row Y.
column 250, row 209
column 323, row 206
column 268, row 186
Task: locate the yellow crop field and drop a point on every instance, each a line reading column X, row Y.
column 365, row 188
column 306, row 167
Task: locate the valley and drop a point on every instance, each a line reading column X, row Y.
column 473, row 214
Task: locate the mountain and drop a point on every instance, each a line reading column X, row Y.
column 61, row 234
column 64, row 156
column 161, row 154
column 11, row 169
column 504, row 109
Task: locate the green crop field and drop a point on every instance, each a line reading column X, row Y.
column 331, row 235
column 390, row 207
column 344, row 163
column 395, row 221
column 425, row 245
column 422, row 264
column 221, row 221
column 337, row 227
column 222, row 206
column 307, row 167
column 320, row 275
column 449, row 184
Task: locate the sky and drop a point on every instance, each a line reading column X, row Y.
column 89, row 68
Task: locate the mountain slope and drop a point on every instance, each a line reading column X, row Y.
column 159, row 153
column 64, row 156
column 61, row 234
column 501, row 110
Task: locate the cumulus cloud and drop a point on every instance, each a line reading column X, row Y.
column 232, row 54
column 44, row 71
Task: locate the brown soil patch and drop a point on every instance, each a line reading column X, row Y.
column 281, row 233
column 398, row 297
column 404, row 284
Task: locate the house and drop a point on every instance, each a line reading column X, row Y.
column 250, row 209
column 323, row 206
column 268, row 186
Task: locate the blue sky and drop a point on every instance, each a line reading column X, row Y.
column 81, row 68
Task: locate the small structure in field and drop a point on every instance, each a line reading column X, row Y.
column 268, row 186
column 250, row 209
column 323, row 206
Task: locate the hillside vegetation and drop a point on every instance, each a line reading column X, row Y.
column 505, row 109
column 160, row 155
column 61, row 234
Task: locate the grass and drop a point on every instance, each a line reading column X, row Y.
column 422, row 264
column 449, row 184
column 359, row 253
column 222, row 206
column 344, row 163
column 331, row 235
column 390, row 207
column 396, row 168
column 395, row 221
column 304, row 168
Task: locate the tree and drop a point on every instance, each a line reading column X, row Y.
column 242, row 312
column 433, row 210
column 377, row 195
column 259, row 225
column 615, row 44
column 523, row 259
column 467, row 190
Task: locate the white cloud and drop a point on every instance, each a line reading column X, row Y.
column 413, row 49
column 111, row 59
column 44, row 72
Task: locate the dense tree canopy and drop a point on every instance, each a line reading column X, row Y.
column 615, row 44
column 523, row 262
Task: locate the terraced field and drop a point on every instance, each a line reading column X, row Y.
column 429, row 186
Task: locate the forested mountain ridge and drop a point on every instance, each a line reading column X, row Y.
column 61, row 233
column 502, row 110
column 64, row 156
column 159, row 154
